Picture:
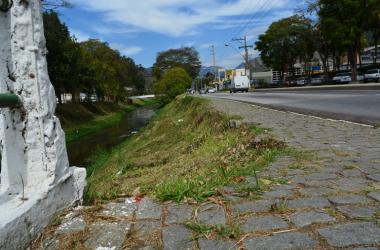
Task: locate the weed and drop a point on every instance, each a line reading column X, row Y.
column 258, row 130
column 220, row 231
column 376, row 126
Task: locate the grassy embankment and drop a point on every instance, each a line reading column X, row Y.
column 80, row 120
column 188, row 151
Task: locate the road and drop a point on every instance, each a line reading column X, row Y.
column 361, row 106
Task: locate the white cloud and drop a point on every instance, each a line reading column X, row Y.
column 80, row 35
column 177, row 17
column 126, row 50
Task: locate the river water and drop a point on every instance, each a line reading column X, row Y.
column 81, row 150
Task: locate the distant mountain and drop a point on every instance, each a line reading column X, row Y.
column 257, row 65
column 204, row 70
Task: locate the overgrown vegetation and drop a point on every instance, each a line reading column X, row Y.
column 187, row 152
column 100, row 118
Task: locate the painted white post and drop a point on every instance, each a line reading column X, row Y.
column 36, row 180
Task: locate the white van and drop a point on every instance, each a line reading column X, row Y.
column 239, row 83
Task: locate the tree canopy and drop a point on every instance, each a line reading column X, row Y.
column 285, row 41
column 175, row 81
column 186, row 58
column 90, row 67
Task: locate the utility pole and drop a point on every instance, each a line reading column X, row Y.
column 248, row 66
column 214, row 61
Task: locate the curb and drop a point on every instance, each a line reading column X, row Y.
column 353, row 86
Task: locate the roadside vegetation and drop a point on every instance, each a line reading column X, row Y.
column 187, row 152
column 338, row 31
column 80, row 120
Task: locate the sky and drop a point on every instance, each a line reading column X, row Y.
column 142, row 28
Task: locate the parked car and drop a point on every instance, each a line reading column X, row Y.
column 342, row 78
column 239, row 83
column 211, row 90
column 320, row 79
column 372, row 75
column 302, row 81
column 290, row 81
column 346, row 78
column 203, row 91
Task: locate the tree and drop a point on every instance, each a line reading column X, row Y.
column 345, row 21
column 285, row 42
column 208, row 78
column 374, row 25
column 186, row 58
column 175, row 81
column 62, row 52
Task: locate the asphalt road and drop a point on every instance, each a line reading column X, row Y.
column 361, row 106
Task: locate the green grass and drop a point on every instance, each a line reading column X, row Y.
column 187, row 151
column 218, row 231
column 102, row 122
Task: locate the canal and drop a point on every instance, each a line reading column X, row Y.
column 81, row 150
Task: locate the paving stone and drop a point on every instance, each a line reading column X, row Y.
column 346, row 235
column 375, row 196
column 308, row 203
column 227, row 190
column 71, row 224
column 321, row 176
column 178, row 213
column 233, row 198
column 278, row 194
column 316, row 191
column 352, row 173
column 353, row 212
column 303, row 219
column 374, row 177
column 145, row 227
column 216, row 245
column 252, row 207
column 351, row 184
column 298, row 180
column 148, row 209
column 284, row 241
column 349, row 199
column 177, row 237
column 264, row 223
column 107, row 235
column 119, row 209
column 211, row 214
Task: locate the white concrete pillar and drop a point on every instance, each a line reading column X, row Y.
column 36, row 180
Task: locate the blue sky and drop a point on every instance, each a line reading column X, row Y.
column 141, row 28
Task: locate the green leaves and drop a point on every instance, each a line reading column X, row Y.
column 186, row 58
column 286, row 41
column 174, row 82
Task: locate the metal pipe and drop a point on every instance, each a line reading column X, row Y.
column 9, row 101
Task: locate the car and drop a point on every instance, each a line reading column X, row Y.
column 211, row 90
column 346, row 78
column 342, row 78
column 372, row 75
column 290, row 81
column 319, row 79
column 203, row 91
column 302, row 81
column 240, row 83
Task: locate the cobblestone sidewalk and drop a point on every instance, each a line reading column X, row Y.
column 332, row 202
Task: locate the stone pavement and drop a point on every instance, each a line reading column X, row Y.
column 332, row 201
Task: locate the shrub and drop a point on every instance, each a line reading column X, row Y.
column 174, row 82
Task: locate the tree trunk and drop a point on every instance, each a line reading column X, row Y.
column 353, row 52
